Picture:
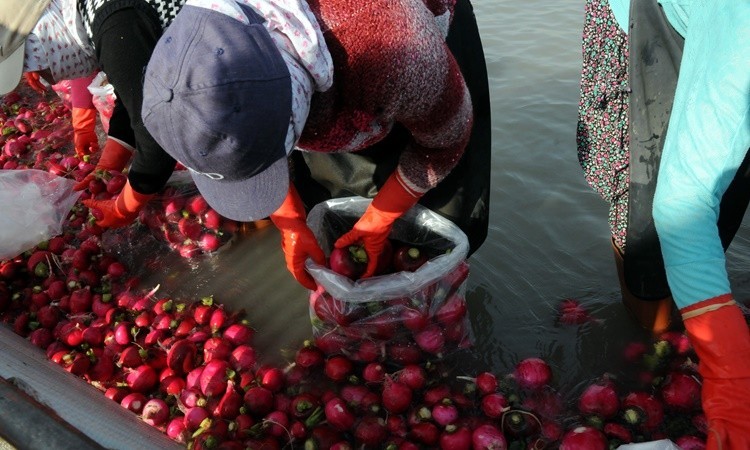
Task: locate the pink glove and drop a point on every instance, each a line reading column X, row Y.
column 297, row 240
column 84, row 131
column 373, row 228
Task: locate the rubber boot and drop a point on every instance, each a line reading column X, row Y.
column 652, row 315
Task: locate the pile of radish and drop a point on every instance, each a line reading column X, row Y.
column 369, row 377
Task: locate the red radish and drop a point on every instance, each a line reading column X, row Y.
column 308, row 356
column 350, row 261
column 532, row 373
column 172, row 385
column 413, row 376
column 486, row 383
column 488, row 437
column 238, row 334
column 396, row 396
column 431, row 339
column 408, row 258
column 277, row 422
column 371, row 431
column 195, row 417
column 572, row 312
column 155, row 412
column 338, row 367
column 142, row 379
column 303, row 404
column 212, row 220
column 242, row 358
column 681, row 391
column 272, row 378
column 494, row 405
column 643, row 409
column 182, row 356
column 404, row 353
column 373, row 372
column 453, row 311
column 584, row 438
column 213, row 380
column 134, row 402
column 338, row 414
column 600, row 400
column 230, row 403
column 455, row 438
column 209, row 242
column 259, row 400
column 444, row 413
column 196, row 205
column 116, row 183
column 216, row 348
column 415, row 319
column 176, row 430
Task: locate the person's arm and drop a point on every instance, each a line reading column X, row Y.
column 124, row 42
column 707, row 139
column 432, row 101
column 83, row 116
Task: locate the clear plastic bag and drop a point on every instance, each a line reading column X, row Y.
column 103, row 98
column 35, row 205
column 406, row 315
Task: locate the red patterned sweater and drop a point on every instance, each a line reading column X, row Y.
column 391, row 65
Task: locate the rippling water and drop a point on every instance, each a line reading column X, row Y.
column 548, row 237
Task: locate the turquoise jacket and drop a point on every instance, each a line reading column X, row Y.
column 707, row 139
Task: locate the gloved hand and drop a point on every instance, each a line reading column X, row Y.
column 297, row 240
column 33, row 80
column 373, row 228
column 720, row 336
column 115, row 156
column 120, row 211
column 85, row 139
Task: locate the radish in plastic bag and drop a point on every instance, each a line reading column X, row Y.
column 402, row 316
column 35, row 204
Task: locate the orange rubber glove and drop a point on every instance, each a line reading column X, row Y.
column 115, row 156
column 720, row 336
column 85, row 139
column 297, row 240
column 373, row 228
column 119, row 211
column 33, row 80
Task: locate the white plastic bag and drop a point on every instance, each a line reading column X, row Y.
column 103, row 98
column 34, row 206
column 330, row 220
column 663, row 444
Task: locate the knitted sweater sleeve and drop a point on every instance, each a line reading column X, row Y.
column 391, row 65
column 707, row 139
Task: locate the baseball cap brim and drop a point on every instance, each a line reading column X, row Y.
column 11, row 70
column 247, row 200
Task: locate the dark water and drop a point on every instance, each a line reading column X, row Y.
column 548, row 237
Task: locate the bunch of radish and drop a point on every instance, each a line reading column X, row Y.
column 183, row 220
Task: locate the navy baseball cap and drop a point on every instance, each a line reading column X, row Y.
column 217, row 97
